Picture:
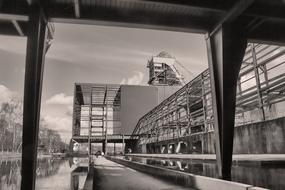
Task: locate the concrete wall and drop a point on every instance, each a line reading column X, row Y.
column 135, row 102
column 261, row 138
column 257, row 138
column 166, row 91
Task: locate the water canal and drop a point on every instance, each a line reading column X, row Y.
column 269, row 176
column 52, row 174
column 70, row 174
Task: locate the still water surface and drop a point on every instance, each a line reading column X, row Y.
column 52, row 174
column 271, row 176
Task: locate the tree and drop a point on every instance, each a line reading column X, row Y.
column 11, row 124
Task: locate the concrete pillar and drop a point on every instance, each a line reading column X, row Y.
column 177, row 147
column 171, row 148
column 35, row 54
column 161, row 149
column 225, row 48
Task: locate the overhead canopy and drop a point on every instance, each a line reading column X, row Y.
column 261, row 17
column 101, row 94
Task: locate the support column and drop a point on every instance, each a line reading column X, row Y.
column 103, row 147
column 90, row 124
column 226, row 48
column 106, row 130
column 257, row 80
column 114, row 148
column 32, row 94
column 123, row 145
column 204, row 101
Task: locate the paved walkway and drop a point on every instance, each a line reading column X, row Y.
column 109, row 175
column 236, row 157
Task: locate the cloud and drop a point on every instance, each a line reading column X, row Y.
column 69, row 111
column 60, row 99
column 6, row 95
column 63, row 125
column 59, row 118
column 136, row 79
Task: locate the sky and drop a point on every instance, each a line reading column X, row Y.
column 93, row 54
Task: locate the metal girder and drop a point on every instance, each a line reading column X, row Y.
column 18, row 27
column 105, row 95
column 225, row 49
column 32, row 94
column 16, row 17
column 76, row 8
column 270, row 32
column 235, row 12
column 177, row 15
column 257, row 79
column 30, row 1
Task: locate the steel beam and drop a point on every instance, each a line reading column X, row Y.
column 18, row 27
column 32, row 94
column 204, row 101
column 4, row 16
column 235, row 12
column 269, row 32
column 90, row 125
column 106, row 124
column 225, row 50
column 76, row 8
column 257, row 80
column 123, row 144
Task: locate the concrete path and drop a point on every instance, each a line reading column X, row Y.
column 109, row 175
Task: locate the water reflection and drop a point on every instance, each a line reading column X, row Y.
column 48, row 167
column 271, row 177
column 10, row 174
column 51, row 174
column 77, row 177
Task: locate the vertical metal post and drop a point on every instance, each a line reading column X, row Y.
column 226, row 48
column 106, row 129
column 32, row 94
column 90, row 124
column 267, row 85
column 74, row 111
column 114, row 148
column 204, row 101
column 177, row 117
column 123, row 145
column 257, row 79
column 103, row 113
column 188, row 112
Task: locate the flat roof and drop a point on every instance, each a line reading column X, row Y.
column 97, row 94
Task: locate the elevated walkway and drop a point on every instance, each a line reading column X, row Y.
column 110, row 138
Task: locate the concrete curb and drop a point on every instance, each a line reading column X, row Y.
column 242, row 160
column 185, row 179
